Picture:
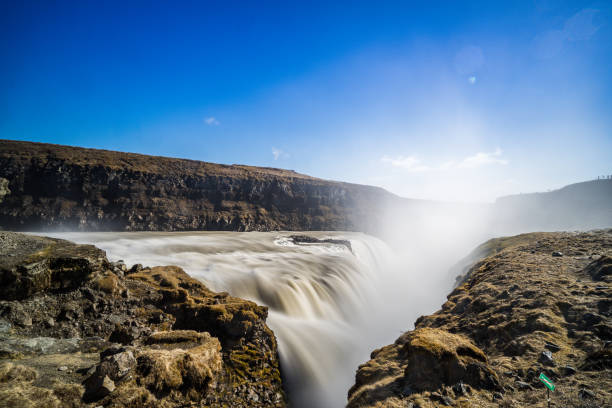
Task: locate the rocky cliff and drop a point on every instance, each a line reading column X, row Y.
column 79, row 331
column 50, row 187
column 529, row 304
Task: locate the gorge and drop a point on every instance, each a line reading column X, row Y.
column 341, row 269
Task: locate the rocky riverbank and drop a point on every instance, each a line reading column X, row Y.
column 529, row 304
column 77, row 330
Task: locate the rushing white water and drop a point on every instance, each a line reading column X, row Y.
column 329, row 306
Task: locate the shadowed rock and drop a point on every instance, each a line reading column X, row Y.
column 601, row 269
column 29, row 265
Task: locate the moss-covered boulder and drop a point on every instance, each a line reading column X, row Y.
column 436, row 357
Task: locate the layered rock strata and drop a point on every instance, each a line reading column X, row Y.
column 50, row 187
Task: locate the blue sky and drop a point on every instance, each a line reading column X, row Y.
column 442, row 100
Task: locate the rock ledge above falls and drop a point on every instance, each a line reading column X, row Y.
column 77, row 330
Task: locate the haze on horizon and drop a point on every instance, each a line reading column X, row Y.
column 445, row 101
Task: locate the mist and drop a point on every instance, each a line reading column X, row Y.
column 331, row 305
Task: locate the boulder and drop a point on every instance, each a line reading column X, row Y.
column 98, row 387
column 437, row 357
column 460, row 388
column 546, row 358
column 522, row 385
column 569, row 370
column 117, row 366
column 586, row 394
column 552, row 347
column 163, row 370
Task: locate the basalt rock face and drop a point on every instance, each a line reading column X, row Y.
column 50, row 187
column 77, row 330
column 529, row 304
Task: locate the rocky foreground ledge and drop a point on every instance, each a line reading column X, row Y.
column 534, row 303
column 77, row 330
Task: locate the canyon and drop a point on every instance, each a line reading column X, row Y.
column 275, row 286
column 525, row 305
column 46, row 187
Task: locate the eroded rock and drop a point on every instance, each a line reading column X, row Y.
column 436, row 357
column 145, row 337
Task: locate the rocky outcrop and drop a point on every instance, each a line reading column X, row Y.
column 60, row 187
column 436, row 358
column 534, row 303
column 77, row 330
column 308, row 240
column 30, row 265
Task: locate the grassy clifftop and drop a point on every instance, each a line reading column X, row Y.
column 25, row 152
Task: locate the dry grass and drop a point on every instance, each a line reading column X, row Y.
column 136, row 162
column 17, row 390
column 109, row 283
column 164, row 370
column 442, row 344
column 16, row 372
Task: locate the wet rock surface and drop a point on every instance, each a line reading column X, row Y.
column 306, row 240
column 95, row 333
column 517, row 312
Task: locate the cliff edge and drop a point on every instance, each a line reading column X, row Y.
column 79, row 331
column 535, row 303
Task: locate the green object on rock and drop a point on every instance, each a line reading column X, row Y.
column 547, row 382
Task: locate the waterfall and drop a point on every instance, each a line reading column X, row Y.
column 325, row 299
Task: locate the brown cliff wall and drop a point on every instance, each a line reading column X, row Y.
column 60, row 187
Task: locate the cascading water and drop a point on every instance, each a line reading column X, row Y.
column 318, row 294
column 330, row 306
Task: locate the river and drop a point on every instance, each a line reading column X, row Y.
column 329, row 305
